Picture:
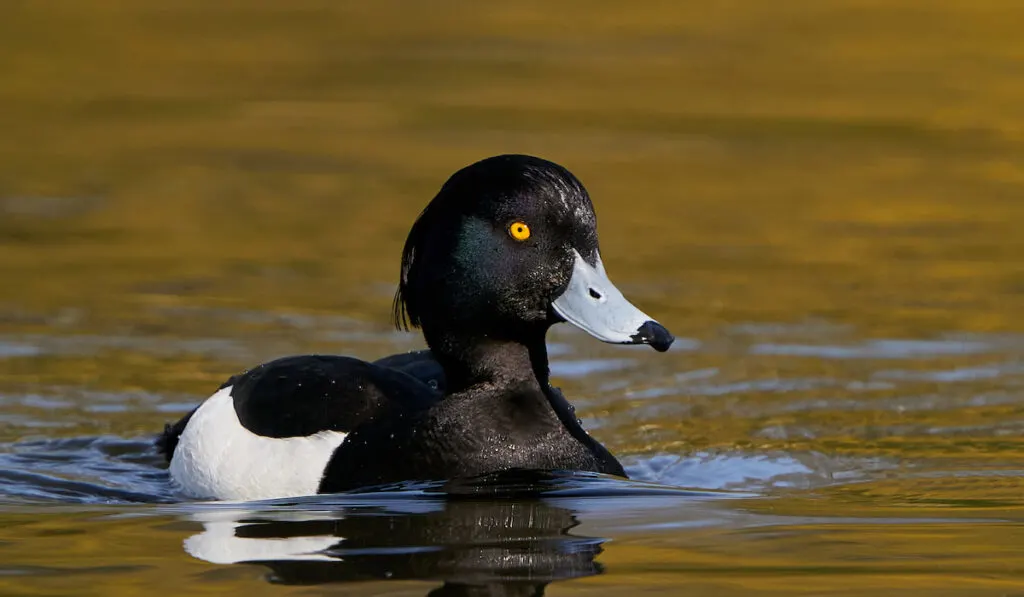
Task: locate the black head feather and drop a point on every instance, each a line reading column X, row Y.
column 465, row 223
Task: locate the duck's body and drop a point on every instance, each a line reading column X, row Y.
column 321, row 424
column 484, row 285
column 271, row 431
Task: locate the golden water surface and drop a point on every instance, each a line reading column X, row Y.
column 824, row 199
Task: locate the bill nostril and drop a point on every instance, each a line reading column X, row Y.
column 595, row 294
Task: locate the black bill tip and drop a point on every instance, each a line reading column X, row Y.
column 655, row 334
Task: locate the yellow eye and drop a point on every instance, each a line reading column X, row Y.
column 519, row 231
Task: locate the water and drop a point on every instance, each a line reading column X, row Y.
column 822, row 200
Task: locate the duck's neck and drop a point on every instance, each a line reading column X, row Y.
column 491, row 361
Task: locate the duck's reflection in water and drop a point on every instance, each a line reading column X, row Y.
column 475, row 547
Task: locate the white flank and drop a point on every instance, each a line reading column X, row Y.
column 218, row 458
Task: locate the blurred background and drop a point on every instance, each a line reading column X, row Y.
column 821, row 198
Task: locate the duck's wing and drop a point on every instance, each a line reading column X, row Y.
column 420, row 364
column 266, row 431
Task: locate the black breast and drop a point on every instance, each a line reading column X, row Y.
column 465, row 435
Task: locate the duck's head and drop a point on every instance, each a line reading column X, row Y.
column 507, row 248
